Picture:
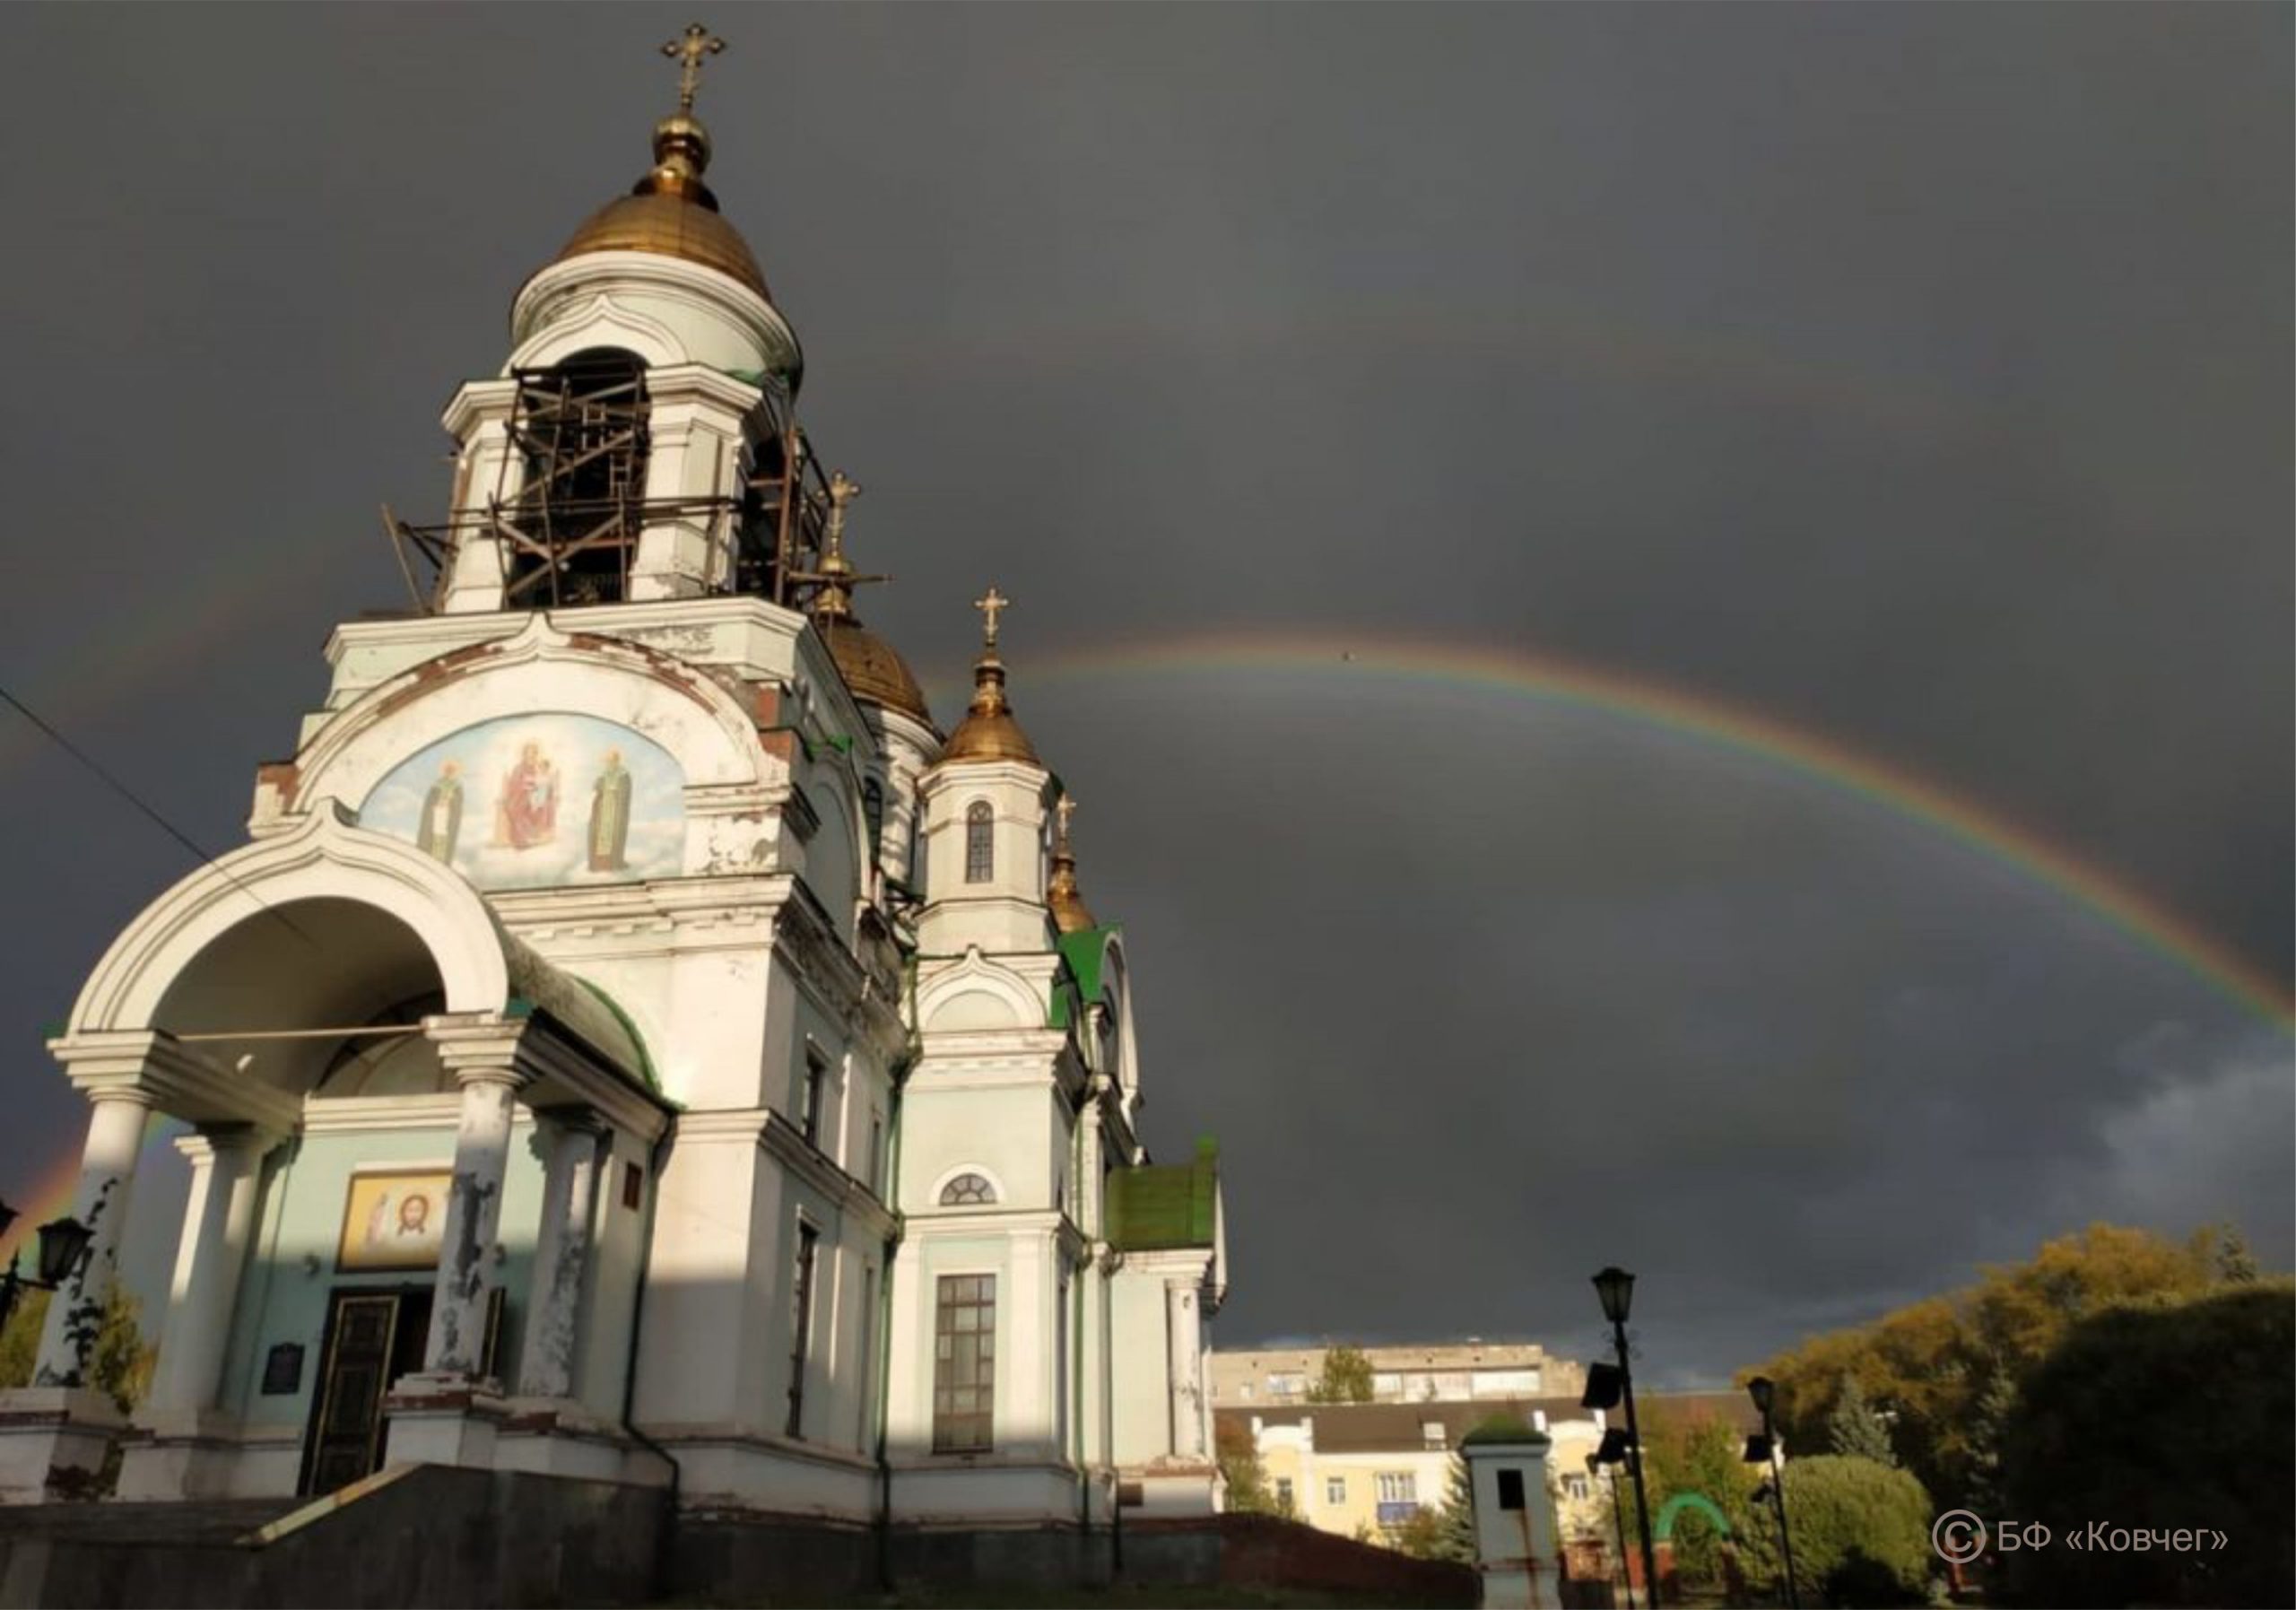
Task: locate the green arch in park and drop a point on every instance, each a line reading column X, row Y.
column 1664, row 1530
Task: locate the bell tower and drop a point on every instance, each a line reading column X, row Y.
column 640, row 441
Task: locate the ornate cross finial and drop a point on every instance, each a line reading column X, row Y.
column 991, row 604
column 1065, row 810
column 688, row 51
column 841, row 491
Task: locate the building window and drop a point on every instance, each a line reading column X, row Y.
column 810, row 1112
column 1284, row 1495
column 967, row 1190
column 876, row 1145
column 808, row 1245
column 868, row 1360
column 873, row 812
column 1334, row 1490
column 1431, row 1434
column 980, row 844
column 964, row 1363
column 1574, row 1485
column 1398, row 1492
column 1286, row 1386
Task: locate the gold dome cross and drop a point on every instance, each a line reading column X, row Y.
column 991, row 604
column 688, row 50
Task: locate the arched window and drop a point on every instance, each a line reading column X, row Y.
column 980, row 845
column 967, row 1190
column 872, row 810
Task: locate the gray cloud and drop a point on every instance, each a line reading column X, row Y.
column 1915, row 374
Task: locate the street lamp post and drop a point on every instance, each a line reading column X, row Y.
column 62, row 1247
column 1763, row 1450
column 1613, row 1453
column 1615, row 1287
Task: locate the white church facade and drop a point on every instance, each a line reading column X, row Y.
column 636, row 1042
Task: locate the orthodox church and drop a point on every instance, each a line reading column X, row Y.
column 636, row 1042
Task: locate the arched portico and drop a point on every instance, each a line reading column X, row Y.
column 264, row 989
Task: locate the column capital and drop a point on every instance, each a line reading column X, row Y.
column 478, row 1048
column 573, row 1118
column 252, row 1142
column 152, row 1068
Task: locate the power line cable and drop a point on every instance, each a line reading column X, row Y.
column 137, row 800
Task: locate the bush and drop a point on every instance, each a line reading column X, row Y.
column 1861, row 1533
column 2168, row 1415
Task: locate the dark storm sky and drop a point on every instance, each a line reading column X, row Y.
column 1915, row 376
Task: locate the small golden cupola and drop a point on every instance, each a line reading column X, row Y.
column 872, row 667
column 1066, row 902
column 988, row 732
column 670, row 212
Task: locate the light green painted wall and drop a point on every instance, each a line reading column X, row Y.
column 302, row 1217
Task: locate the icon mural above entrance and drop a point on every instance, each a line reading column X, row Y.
column 529, row 802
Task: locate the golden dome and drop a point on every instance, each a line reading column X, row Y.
column 988, row 732
column 1070, row 914
column 872, row 667
column 671, row 211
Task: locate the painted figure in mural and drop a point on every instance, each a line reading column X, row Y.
column 410, row 1224
column 442, row 814
column 527, row 814
column 609, row 815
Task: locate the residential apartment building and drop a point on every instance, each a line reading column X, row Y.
column 1469, row 1371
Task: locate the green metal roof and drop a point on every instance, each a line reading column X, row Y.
column 1163, row 1206
column 1083, row 951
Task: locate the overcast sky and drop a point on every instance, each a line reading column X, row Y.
column 1915, row 377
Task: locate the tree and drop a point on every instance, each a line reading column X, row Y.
column 120, row 1362
column 1347, row 1376
column 1854, row 1428
column 1932, row 1360
column 1458, row 1516
column 1861, row 1533
column 1691, row 1451
column 1421, row 1534
column 2156, row 1417
column 2235, row 1264
column 1238, row 1459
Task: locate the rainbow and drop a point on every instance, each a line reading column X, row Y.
column 1819, row 759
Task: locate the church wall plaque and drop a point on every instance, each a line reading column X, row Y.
column 394, row 1220
column 535, row 801
column 282, row 1370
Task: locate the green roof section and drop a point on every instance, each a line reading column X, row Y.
column 1505, row 1429
column 1165, row 1206
column 1083, row 951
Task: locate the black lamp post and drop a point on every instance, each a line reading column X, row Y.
column 1613, row 1453
column 1615, row 1287
column 1762, row 1449
column 62, row 1246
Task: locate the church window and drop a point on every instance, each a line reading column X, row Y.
column 633, row 1185
column 981, row 850
column 964, row 1363
column 808, row 1245
column 967, row 1190
column 816, row 1077
column 872, row 810
column 876, row 1146
column 573, row 521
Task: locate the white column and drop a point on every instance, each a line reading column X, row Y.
column 226, row 1174
column 1181, row 1299
column 570, row 1194
column 467, row 1266
column 106, row 1176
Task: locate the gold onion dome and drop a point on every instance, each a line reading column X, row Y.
column 1070, row 914
column 670, row 212
column 872, row 667
column 988, row 732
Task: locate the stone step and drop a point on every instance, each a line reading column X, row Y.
column 218, row 1521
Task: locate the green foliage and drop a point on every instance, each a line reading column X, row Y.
column 1691, row 1451
column 2235, row 1264
column 2166, row 1415
column 1238, row 1459
column 1347, row 1376
column 1856, row 1431
column 1421, row 1535
column 1933, row 1361
column 1458, row 1516
column 1861, row 1533
column 120, row 1363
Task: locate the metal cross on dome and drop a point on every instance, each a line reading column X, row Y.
column 991, row 604
column 688, row 50
column 1065, row 810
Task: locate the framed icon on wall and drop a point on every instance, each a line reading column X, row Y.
column 394, row 1219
